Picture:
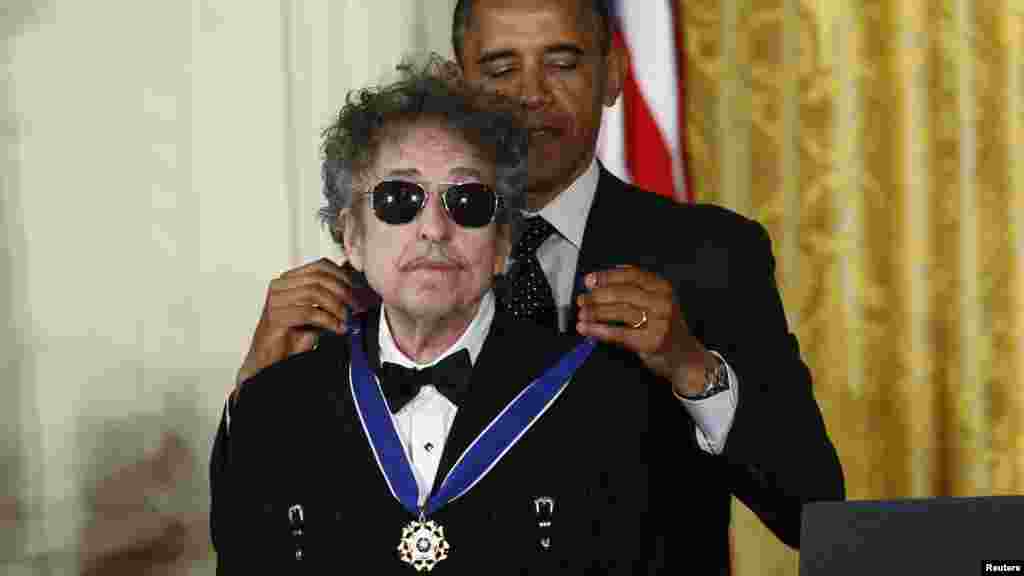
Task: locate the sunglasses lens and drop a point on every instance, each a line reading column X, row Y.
column 471, row 205
column 396, row 202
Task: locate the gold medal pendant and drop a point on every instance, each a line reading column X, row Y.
column 423, row 544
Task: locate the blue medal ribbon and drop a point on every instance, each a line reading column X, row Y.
column 480, row 457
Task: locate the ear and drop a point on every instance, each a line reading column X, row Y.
column 352, row 235
column 503, row 248
column 615, row 65
column 451, row 72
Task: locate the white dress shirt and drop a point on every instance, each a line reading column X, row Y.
column 423, row 424
column 558, row 256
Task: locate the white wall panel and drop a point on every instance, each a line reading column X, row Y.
column 161, row 166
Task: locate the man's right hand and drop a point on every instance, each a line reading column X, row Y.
column 300, row 303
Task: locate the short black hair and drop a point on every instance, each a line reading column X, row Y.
column 464, row 12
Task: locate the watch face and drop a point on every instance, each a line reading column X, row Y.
column 715, row 381
column 718, row 380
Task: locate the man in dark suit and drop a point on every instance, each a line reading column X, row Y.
column 439, row 432
column 302, row 490
column 695, row 299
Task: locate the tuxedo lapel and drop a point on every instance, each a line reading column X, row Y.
column 514, row 354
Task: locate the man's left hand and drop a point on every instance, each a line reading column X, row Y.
column 637, row 309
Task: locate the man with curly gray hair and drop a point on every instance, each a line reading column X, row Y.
column 438, row 431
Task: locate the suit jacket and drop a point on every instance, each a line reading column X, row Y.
column 778, row 455
column 295, row 438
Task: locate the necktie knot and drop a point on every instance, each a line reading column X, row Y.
column 535, row 231
column 450, row 376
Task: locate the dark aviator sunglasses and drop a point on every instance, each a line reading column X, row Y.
column 470, row 204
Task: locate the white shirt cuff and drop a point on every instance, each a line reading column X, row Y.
column 714, row 415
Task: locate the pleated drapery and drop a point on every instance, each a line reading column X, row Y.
column 878, row 142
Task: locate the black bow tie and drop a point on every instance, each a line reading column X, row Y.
column 450, row 376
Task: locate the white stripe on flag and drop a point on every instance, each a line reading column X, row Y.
column 611, row 143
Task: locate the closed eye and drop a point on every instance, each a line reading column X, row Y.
column 564, row 56
column 564, row 65
column 499, row 72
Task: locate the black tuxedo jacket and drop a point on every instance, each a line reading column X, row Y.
column 295, row 439
column 778, row 455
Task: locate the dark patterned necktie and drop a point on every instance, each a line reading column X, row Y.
column 528, row 295
column 450, row 376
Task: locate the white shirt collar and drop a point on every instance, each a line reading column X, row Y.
column 472, row 339
column 567, row 212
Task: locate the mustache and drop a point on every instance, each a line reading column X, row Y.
column 553, row 122
column 433, row 254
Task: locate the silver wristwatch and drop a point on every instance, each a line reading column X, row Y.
column 715, row 381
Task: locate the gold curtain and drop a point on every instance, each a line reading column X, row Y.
column 878, row 142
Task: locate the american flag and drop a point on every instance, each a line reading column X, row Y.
column 642, row 137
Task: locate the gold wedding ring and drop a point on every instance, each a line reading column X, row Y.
column 641, row 323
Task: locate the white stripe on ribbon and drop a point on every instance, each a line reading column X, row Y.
column 369, row 439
